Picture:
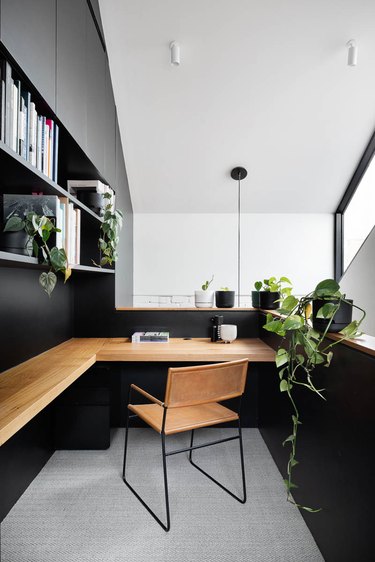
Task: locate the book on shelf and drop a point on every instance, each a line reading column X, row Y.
column 150, row 337
column 34, row 137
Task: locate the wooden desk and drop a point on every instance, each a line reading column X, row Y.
column 196, row 349
column 29, row 387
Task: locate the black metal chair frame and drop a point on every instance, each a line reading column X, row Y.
column 166, row 526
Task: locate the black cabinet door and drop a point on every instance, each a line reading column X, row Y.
column 96, row 98
column 71, row 67
column 110, row 132
column 28, row 31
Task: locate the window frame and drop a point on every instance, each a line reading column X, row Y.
column 359, row 172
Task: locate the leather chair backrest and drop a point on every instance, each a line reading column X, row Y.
column 189, row 386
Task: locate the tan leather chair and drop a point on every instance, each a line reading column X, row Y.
column 191, row 401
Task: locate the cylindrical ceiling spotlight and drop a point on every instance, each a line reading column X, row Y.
column 175, row 53
column 352, row 52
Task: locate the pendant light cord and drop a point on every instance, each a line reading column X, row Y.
column 239, row 241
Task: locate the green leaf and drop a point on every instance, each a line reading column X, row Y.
column 107, row 195
column 14, row 224
column 58, row 259
column 45, row 234
column 329, row 358
column 313, row 334
column 293, row 462
column 328, row 310
column 296, row 420
column 48, row 282
column 284, row 386
column 282, row 371
column 326, row 288
column 289, row 439
column 282, row 357
column 45, row 255
column 290, row 303
column 350, row 330
column 293, row 322
column 258, row 285
column 285, row 280
column 316, row 358
column 35, row 248
column 300, row 358
column 276, row 326
column 286, row 291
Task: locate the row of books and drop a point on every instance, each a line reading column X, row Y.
column 32, row 136
column 67, row 218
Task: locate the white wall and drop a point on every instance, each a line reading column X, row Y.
column 358, row 282
column 175, row 253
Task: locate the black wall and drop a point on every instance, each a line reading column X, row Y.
column 30, row 322
column 95, row 315
column 335, row 450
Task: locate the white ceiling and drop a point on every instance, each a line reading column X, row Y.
column 262, row 84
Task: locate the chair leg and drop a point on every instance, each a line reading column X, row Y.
column 241, row 500
column 166, row 526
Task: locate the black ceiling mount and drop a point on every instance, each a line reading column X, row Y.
column 238, row 173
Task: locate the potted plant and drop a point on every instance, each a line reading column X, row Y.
column 38, row 230
column 332, row 312
column 14, row 241
column 224, row 298
column 109, row 233
column 303, row 348
column 267, row 294
column 205, row 298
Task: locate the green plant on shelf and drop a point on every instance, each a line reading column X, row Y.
column 275, row 285
column 302, row 349
column 109, row 233
column 39, row 229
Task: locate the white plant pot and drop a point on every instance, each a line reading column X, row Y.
column 204, row 299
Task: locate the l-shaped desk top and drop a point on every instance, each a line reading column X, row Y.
column 30, row 386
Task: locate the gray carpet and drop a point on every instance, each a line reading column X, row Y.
column 79, row 510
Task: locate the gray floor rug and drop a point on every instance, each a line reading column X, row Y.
column 79, row 510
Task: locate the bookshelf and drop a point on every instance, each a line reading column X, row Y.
column 19, row 176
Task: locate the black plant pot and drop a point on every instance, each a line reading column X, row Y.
column 14, row 242
column 342, row 318
column 92, row 200
column 255, row 299
column 224, row 299
column 267, row 300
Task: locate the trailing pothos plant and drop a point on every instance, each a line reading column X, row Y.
column 302, row 349
column 39, row 229
column 109, row 233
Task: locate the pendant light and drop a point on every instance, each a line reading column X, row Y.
column 238, row 174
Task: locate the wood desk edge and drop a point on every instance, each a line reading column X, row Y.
column 24, row 403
